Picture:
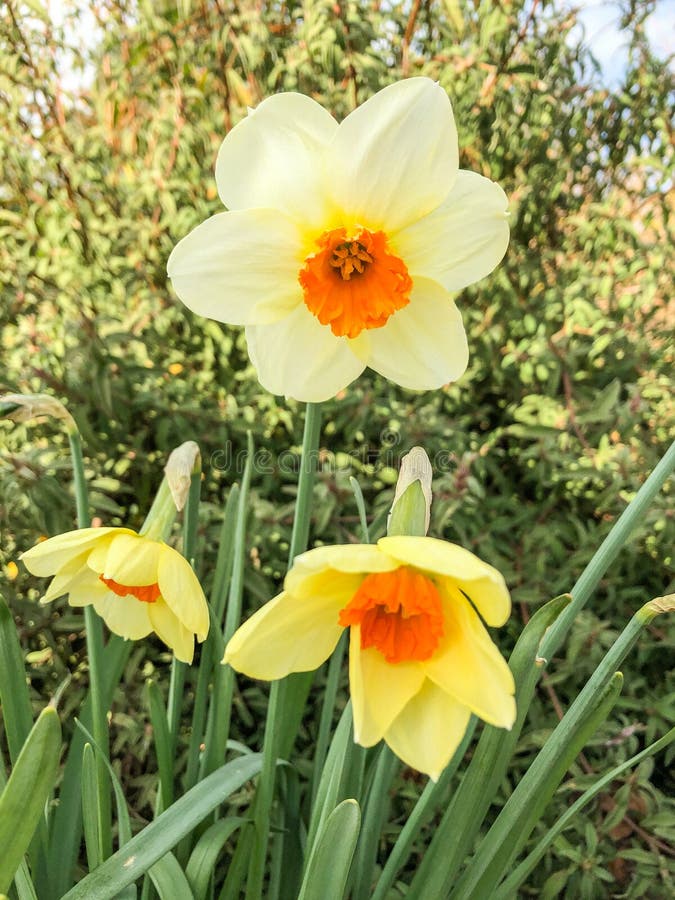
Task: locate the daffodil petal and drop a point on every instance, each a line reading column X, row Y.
column 288, row 634
column 423, row 345
column 239, row 267
column 349, row 558
column 125, row 616
column 464, row 239
column 379, row 690
column 395, row 158
column 483, row 584
column 182, row 592
column 428, row 730
column 172, row 631
column 129, row 559
column 86, row 588
column 64, row 577
column 300, row 358
column 274, row 158
column 469, row 667
column 47, row 557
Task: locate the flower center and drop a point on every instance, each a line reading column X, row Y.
column 400, row 613
column 353, row 282
column 148, row 593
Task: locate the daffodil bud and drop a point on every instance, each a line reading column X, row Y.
column 172, row 494
column 23, row 407
column 184, row 462
column 411, row 509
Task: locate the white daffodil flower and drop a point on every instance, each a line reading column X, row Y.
column 343, row 243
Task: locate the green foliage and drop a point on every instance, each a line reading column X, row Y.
column 566, row 406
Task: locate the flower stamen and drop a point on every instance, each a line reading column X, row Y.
column 353, row 282
column 350, row 257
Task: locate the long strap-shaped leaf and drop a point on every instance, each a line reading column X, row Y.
column 331, row 856
column 526, row 804
column 514, row 824
column 509, row 887
column 156, row 839
column 25, row 794
column 14, row 697
column 462, row 819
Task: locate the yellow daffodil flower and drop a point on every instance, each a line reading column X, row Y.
column 420, row 659
column 136, row 585
column 343, row 242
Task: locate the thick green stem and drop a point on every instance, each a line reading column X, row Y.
column 277, row 709
column 178, row 669
column 94, row 633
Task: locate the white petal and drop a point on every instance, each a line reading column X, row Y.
column 239, row 267
column 423, row 345
column 301, row 358
column 429, row 730
column 274, row 158
column 464, row 239
column 379, row 690
column 395, row 158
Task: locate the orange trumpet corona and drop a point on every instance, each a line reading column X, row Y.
column 400, row 614
column 353, row 282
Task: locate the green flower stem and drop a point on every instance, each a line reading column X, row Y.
column 608, row 551
column 327, row 710
column 178, row 669
column 426, row 806
column 94, row 633
column 220, row 711
column 221, row 580
column 277, row 710
column 158, row 522
column 308, row 465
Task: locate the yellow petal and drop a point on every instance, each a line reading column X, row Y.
column 66, row 575
column 274, row 158
column 395, row 158
column 182, row 592
column 124, row 616
column 299, row 357
column 428, row 730
column 129, row 559
column 239, row 267
column 47, row 557
column 464, row 239
column 423, row 345
column 289, row 634
column 170, row 630
column 469, row 667
column 349, row 558
column 86, row 588
column 483, row 584
column 379, row 690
